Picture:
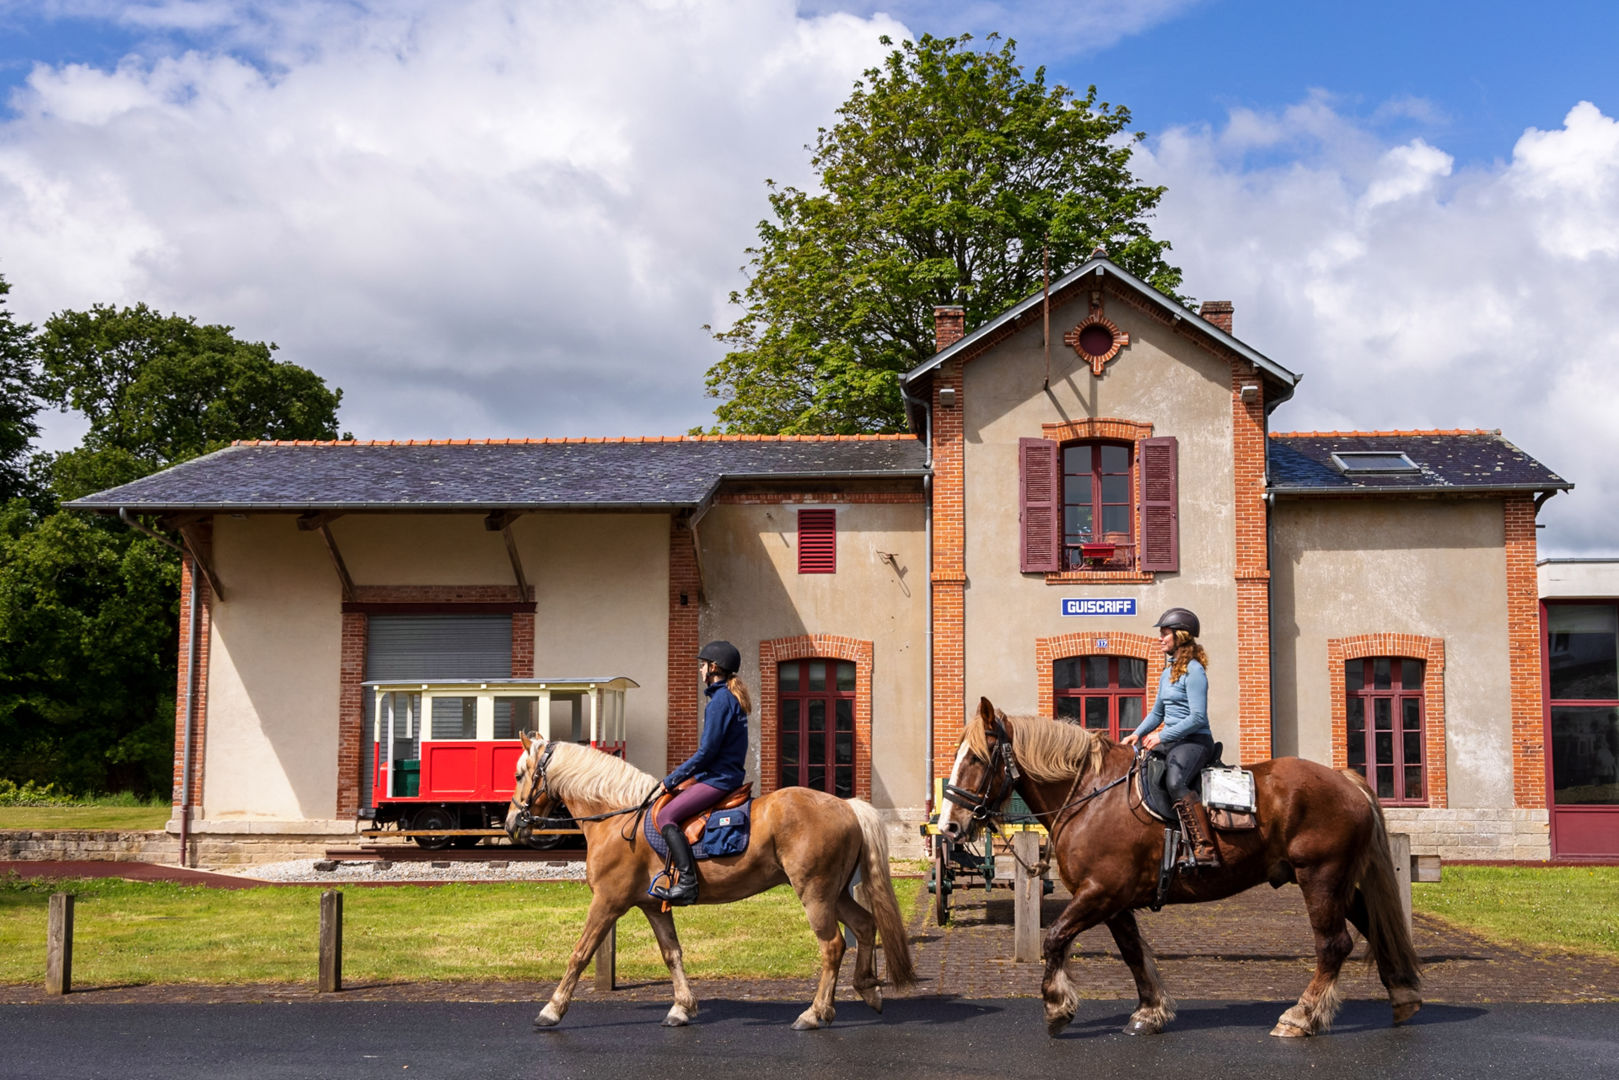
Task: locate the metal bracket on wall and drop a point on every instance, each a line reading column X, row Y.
column 321, row 523
column 200, row 556
column 501, row 521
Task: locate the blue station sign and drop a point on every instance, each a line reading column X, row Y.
column 1095, row 606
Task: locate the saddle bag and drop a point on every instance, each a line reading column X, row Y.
column 727, row 830
column 1228, row 795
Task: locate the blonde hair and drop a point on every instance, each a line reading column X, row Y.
column 1186, row 650
column 739, row 690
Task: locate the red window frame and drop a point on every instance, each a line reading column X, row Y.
column 817, row 541
column 1119, row 543
column 1090, row 701
column 797, row 701
column 1389, row 771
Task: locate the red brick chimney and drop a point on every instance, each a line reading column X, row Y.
column 1218, row 312
column 949, row 326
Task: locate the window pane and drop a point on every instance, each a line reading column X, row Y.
column 1115, row 459
column 1077, row 520
column 1382, row 714
column 790, row 710
column 787, row 676
column 1095, row 674
column 1410, row 713
column 1068, row 708
column 789, row 776
column 1585, row 747
column 1413, row 782
column 1581, row 651
column 817, row 675
column 454, row 717
column 1076, row 459
column 1354, row 675
column 1385, row 781
column 843, row 785
column 843, row 712
column 1383, row 747
column 1129, row 714
column 846, row 675
column 815, row 777
column 1115, row 489
column 1357, row 752
column 1411, row 748
column 817, row 716
column 843, row 747
column 1411, row 674
column 1065, row 673
column 1076, row 490
column 1115, row 519
column 1132, row 672
column 1382, row 672
column 1096, row 713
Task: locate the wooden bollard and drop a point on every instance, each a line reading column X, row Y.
column 607, row 960
column 1026, row 895
column 59, row 945
column 1400, row 852
column 331, row 941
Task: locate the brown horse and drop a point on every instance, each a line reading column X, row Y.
column 1319, row 828
column 809, row 839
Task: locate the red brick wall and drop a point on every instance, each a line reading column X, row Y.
column 198, row 681
column 1048, row 650
column 1431, row 651
column 1524, row 661
column 774, row 652
column 949, row 575
column 683, row 645
column 1253, row 565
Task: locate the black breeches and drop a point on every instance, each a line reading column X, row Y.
column 1184, row 759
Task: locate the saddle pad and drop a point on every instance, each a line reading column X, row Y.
column 1228, row 789
column 725, row 832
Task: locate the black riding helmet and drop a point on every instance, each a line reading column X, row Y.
column 723, row 655
column 1178, row 618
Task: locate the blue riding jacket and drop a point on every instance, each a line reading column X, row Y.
column 1182, row 706
column 721, row 759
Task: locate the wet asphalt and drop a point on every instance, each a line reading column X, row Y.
column 938, row 1038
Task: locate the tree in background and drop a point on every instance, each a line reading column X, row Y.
column 946, row 179
column 18, row 405
column 89, row 609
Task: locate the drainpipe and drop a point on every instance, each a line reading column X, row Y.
column 191, row 680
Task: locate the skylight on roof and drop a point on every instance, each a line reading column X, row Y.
column 1355, row 462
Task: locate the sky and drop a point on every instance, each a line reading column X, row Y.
column 509, row 218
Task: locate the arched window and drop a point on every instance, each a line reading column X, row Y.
column 816, row 729
column 1103, row 693
column 1384, row 726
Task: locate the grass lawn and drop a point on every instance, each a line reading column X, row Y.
column 136, row 933
column 123, row 818
column 1572, row 908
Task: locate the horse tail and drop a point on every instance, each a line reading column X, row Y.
column 1388, row 938
column 876, row 894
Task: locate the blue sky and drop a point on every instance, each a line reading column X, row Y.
column 513, row 217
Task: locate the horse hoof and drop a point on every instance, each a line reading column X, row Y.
column 1285, row 1030
column 547, row 1018
column 1405, row 1011
column 1142, row 1027
column 1055, row 1024
column 806, row 1021
column 873, row 997
column 677, row 1018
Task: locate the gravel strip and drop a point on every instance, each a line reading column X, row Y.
column 305, row 870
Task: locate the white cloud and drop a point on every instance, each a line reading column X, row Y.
column 493, row 218
column 1411, row 294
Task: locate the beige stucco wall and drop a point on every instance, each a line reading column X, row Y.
column 1576, row 579
column 754, row 593
column 1427, row 567
column 271, row 745
column 1160, row 378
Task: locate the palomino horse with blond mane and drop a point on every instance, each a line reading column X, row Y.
column 808, row 839
column 1319, row 828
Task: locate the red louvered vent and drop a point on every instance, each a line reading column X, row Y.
column 817, row 541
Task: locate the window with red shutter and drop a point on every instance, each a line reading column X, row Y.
column 1160, row 517
column 1039, row 506
column 817, row 542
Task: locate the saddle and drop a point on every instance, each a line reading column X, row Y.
column 693, row 827
column 1155, row 796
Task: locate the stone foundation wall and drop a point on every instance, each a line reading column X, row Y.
column 87, row 845
column 1518, row 835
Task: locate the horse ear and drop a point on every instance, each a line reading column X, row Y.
column 527, row 744
column 986, row 711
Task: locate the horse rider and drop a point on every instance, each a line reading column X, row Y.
column 1178, row 726
column 717, row 768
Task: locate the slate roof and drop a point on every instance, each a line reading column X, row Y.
column 550, row 474
column 1446, row 461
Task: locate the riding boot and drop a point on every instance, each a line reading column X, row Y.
column 1194, row 818
column 683, row 889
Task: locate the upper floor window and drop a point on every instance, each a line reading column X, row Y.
column 815, row 736
column 1103, row 693
column 1385, row 726
column 1098, row 504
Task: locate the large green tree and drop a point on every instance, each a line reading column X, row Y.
column 18, row 405
column 949, row 177
column 88, row 608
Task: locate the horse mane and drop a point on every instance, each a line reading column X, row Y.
column 1045, row 749
column 587, row 774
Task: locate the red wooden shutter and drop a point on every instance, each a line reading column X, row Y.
column 817, row 541
column 1039, row 506
column 1160, row 515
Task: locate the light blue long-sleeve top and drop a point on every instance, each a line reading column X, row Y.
column 1182, row 706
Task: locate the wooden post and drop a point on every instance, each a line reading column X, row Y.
column 1400, row 852
column 607, row 960
column 331, row 941
column 59, row 945
column 1027, row 889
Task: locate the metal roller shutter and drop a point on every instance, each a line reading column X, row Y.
column 430, row 647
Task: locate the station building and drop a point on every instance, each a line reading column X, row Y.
column 1075, row 466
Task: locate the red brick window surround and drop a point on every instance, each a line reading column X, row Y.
column 1430, row 652
column 1113, row 643
column 772, row 654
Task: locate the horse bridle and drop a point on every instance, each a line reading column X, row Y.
column 541, row 786
column 984, row 805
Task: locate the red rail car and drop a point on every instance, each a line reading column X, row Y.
column 444, row 752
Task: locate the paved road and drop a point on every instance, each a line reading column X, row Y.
column 933, row 1038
